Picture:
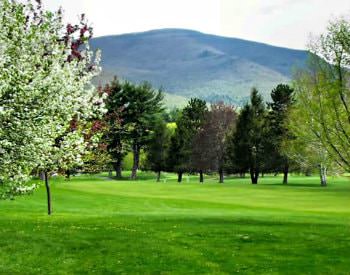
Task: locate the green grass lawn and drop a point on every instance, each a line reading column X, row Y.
column 103, row 226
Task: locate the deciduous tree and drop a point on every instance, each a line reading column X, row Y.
column 209, row 145
column 45, row 73
column 322, row 91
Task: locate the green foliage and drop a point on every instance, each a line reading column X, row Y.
column 181, row 142
column 157, row 148
column 142, row 106
column 171, row 127
column 128, row 160
column 115, row 127
column 132, row 113
column 321, row 117
column 171, row 115
column 278, row 132
column 97, row 160
column 247, row 142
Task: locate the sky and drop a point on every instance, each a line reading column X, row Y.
column 286, row 23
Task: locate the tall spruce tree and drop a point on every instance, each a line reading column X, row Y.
column 248, row 140
column 116, row 129
column 156, row 150
column 176, row 159
column 278, row 131
column 188, row 124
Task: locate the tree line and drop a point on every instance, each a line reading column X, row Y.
column 203, row 139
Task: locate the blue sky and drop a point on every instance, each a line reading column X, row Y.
column 286, row 23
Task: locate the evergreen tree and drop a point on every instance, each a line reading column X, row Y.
column 247, row 142
column 143, row 106
column 200, row 158
column 157, row 148
column 175, row 161
column 188, row 124
column 278, row 132
column 116, row 129
column 132, row 112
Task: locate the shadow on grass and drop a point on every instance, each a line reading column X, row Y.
column 313, row 185
column 141, row 177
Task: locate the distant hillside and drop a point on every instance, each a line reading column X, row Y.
column 188, row 63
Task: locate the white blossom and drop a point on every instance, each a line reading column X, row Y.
column 40, row 93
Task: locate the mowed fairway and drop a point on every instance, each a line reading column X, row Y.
column 103, row 226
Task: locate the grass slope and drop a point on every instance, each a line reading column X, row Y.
column 103, row 226
column 175, row 101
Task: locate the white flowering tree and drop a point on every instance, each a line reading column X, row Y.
column 45, row 73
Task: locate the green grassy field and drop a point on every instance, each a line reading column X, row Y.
column 103, row 226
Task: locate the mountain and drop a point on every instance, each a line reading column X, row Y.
column 187, row 63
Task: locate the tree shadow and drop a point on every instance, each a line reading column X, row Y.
column 313, row 185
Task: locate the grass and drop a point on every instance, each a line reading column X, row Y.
column 103, row 226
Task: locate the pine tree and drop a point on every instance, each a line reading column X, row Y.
column 248, row 140
column 157, row 148
column 188, row 124
column 278, row 132
column 143, row 106
column 116, row 129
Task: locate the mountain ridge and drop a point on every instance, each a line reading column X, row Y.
column 189, row 63
column 171, row 30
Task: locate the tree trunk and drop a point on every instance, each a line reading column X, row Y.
column 42, row 175
column 201, row 178
column 285, row 173
column 254, row 175
column 262, row 174
column 158, row 176
column 118, row 168
column 118, row 172
column 323, row 175
column 68, row 173
column 308, row 173
column 221, row 176
column 136, row 161
column 242, row 175
column 48, row 192
column 110, row 173
column 179, row 177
